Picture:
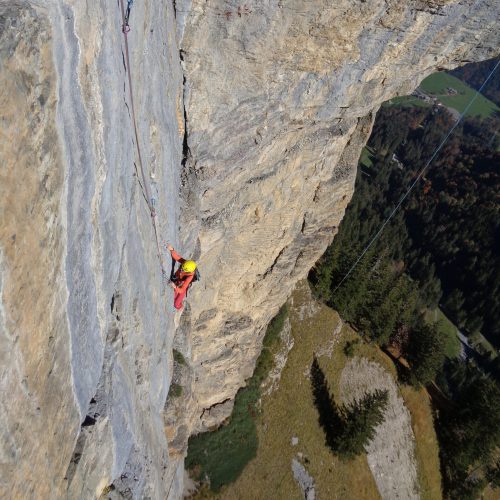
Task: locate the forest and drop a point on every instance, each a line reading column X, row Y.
column 474, row 74
column 442, row 247
column 439, row 252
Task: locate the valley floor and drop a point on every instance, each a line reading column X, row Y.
column 288, row 428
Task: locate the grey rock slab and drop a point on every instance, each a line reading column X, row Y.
column 391, row 453
column 305, row 480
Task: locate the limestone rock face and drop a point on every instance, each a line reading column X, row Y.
column 278, row 98
column 85, row 320
column 38, row 408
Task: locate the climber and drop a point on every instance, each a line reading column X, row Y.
column 183, row 277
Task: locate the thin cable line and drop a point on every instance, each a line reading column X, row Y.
column 420, row 174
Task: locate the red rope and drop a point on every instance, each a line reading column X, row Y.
column 125, row 30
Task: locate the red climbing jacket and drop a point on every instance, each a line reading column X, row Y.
column 182, row 279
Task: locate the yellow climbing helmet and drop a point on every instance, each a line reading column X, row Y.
column 189, row 266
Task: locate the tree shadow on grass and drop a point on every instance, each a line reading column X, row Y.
column 329, row 415
column 402, row 369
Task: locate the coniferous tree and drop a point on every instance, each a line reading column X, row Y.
column 360, row 420
column 425, row 352
column 353, row 292
column 321, row 276
column 349, row 429
column 469, row 432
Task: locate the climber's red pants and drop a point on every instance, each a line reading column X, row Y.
column 178, row 298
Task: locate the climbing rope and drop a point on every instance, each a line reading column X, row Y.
column 417, row 178
column 150, row 200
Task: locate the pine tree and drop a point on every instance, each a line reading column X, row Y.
column 349, row 429
column 425, row 352
column 353, row 292
column 359, row 421
column 386, row 309
column 469, row 433
column 321, row 279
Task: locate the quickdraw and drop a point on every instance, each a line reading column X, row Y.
column 126, row 27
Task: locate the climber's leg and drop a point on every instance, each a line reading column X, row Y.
column 178, row 298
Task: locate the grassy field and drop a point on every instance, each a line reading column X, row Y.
column 482, row 345
column 406, row 101
column 490, row 494
column 427, row 447
column 437, row 84
column 366, row 158
column 446, row 328
column 290, row 412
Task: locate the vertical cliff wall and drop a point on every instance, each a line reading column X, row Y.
column 85, row 327
column 279, row 98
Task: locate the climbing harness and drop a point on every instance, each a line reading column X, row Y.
column 150, row 200
column 417, row 178
column 173, row 278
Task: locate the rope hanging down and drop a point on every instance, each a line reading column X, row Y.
column 419, row 176
column 145, row 184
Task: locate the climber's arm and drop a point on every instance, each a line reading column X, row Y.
column 175, row 255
